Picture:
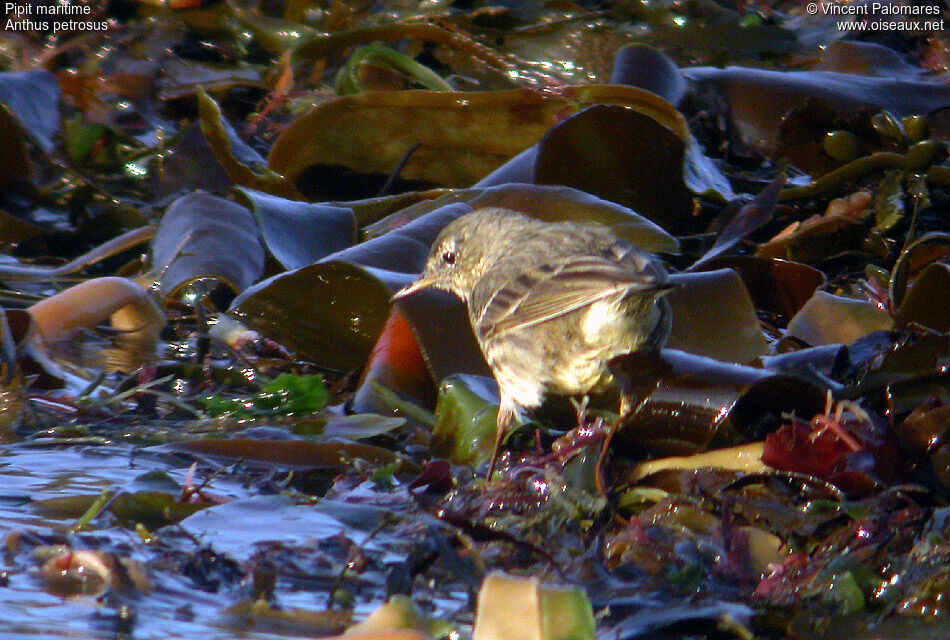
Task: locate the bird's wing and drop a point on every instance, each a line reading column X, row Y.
column 549, row 291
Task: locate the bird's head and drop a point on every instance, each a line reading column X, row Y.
column 461, row 252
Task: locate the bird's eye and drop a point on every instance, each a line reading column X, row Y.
column 448, row 257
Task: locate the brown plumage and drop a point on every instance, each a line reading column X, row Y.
column 550, row 303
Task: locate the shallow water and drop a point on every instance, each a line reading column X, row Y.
column 303, row 540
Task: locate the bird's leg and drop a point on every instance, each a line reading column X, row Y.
column 506, row 416
column 625, row 410
column 580, row 409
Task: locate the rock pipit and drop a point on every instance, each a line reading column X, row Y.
column 550, row 303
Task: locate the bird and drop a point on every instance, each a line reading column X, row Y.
column 550, row 303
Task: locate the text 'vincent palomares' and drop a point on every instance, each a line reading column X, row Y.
column 876, row 9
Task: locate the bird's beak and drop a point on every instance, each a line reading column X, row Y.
column 421, row 283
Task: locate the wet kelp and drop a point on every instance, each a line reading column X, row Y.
column 216, row 420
